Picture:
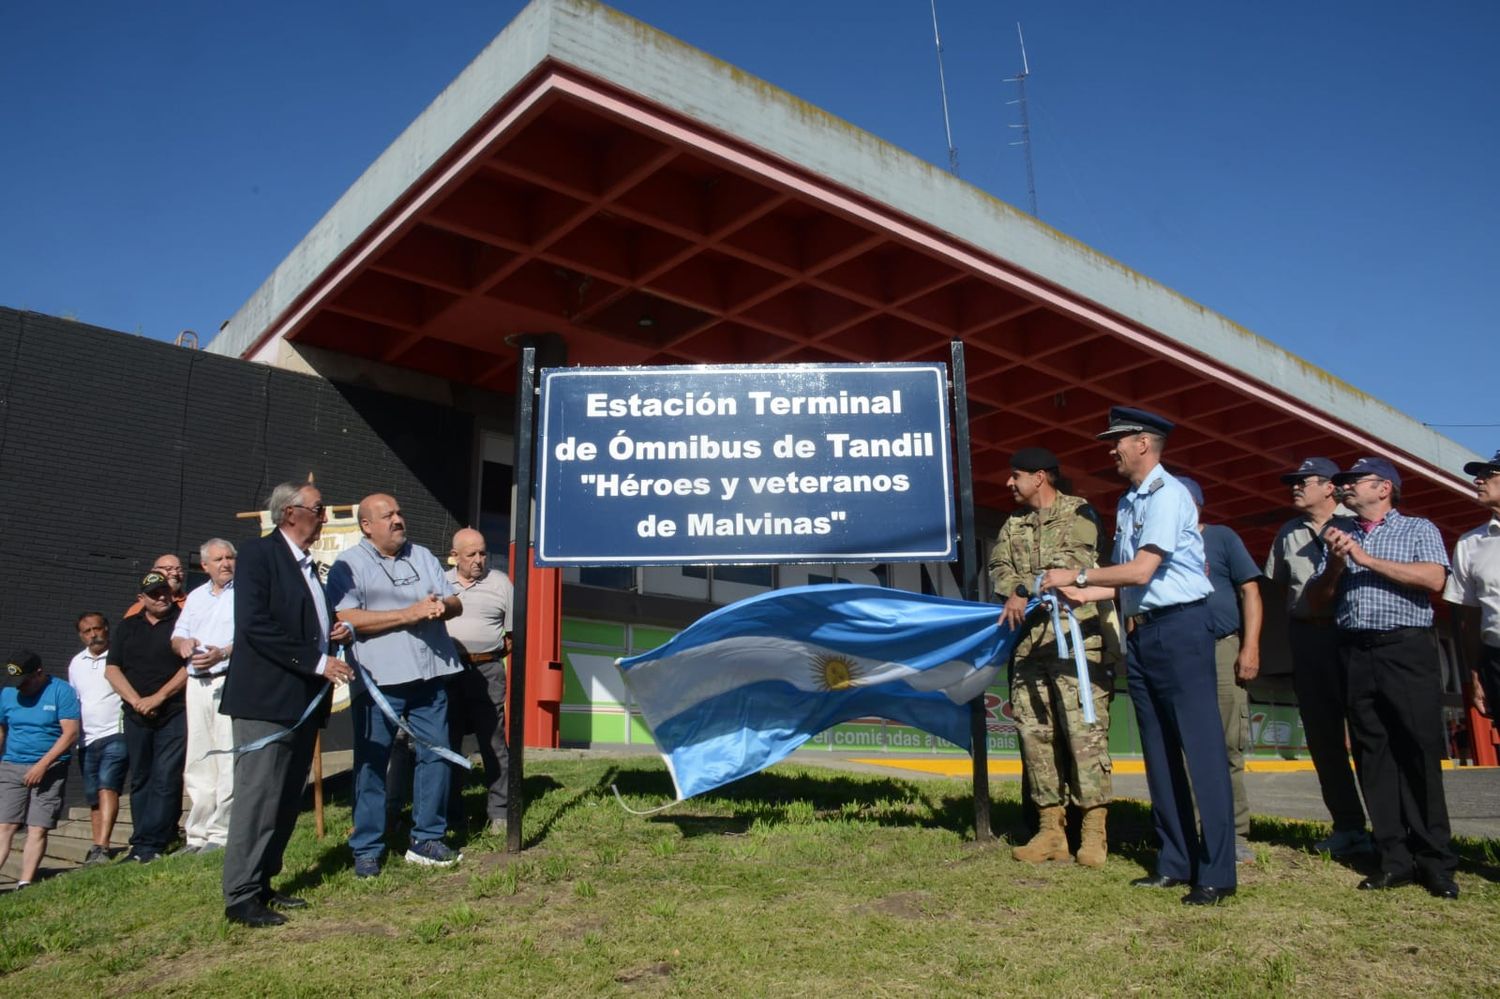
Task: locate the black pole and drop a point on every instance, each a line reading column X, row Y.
column 968, row 564
column 515, row 718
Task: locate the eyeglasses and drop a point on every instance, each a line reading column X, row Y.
column 401, row 577
column 316, row 511
column 158, row 595
column 1311, row 480
column 1360, row 482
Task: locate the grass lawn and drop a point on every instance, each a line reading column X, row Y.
column 794, row 882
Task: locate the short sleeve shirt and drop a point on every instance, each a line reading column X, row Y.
column 33, row 725
column 487, row 608
column 100, row 704
column 143, row 651
column 1367, row 601
column 1160, row 514
column 364, row 579
column 1295, row 555
column 1229, row 567
column 1475, row 581
column 208, row 619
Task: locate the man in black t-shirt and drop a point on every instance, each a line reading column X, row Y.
column 150, row 678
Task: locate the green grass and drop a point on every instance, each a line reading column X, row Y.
column 794, row 882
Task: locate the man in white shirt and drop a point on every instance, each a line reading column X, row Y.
column 204, row 636
column 1475, row 587
column 102, row 755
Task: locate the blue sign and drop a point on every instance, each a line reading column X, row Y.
column 744, row 464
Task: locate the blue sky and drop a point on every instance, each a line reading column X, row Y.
column 1322, row 173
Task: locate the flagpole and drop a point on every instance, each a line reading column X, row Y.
column 969, row 573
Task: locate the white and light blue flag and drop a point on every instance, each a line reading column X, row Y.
column 744, row 686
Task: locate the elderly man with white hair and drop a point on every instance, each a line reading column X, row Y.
column 204, row 636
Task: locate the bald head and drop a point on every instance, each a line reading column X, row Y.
column 380, row 520
column 471, row 560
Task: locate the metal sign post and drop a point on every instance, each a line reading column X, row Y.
column 515, row 715
column 968, row 563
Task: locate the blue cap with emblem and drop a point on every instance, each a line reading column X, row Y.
column 1322, row 467
column 1483, row 467
column 1378, row 467
column 1125, row 420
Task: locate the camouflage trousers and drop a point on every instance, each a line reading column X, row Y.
column 1065, row 760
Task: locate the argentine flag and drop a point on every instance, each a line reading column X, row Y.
column 742, row 687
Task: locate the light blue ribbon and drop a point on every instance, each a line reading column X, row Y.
column 390, row 713
column 266, row 740
column 1080, row 662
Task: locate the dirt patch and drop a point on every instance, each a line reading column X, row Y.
column 661, row 969
column 327, row 928
column 902, row 905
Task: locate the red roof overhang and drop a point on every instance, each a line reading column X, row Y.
column 643, row 237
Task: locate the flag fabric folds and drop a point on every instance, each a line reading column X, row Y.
column 744, row 686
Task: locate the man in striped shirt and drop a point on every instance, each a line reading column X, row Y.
column 1382, row 573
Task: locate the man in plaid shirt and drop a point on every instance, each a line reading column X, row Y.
column 1383, row 572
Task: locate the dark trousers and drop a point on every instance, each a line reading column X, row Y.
column 1173, row 687
column 156, row 759
column 268, row 787
column 1392, row 687
column 1318, row 682
column 476, row 703
column 1489, row 680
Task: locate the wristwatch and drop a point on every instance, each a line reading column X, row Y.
column 1082, row 579
column 1022, row 591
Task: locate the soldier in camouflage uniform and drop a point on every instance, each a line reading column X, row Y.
column 1065, row 760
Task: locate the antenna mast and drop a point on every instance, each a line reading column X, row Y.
column 943, row 86
column 1025, row 143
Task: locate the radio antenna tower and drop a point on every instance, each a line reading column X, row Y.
column 943, row 86
column 1025, row 142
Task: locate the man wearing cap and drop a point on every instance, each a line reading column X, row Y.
column 1295, row 555
column 149, row 677
column 1066, row 760
column 1381, row 574
column 476, row 697
column 1475, row 587
column 1163, row 590
column 1236, row 612
column 276, row 695
column 204, row 636
column 39, row 721
column 170, row 566
column 395, row 596
column 102, row 756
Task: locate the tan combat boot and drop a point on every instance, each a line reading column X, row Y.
column 1093, row 844
column 1050, row 842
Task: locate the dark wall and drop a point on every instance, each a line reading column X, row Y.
column 115, row 449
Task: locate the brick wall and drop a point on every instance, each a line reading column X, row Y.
column 115, row 449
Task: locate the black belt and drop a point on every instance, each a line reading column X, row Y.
column 1147, row 616
column 1363, row 638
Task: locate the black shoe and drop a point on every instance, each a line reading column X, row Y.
column 141, row 856
column 276, row 900
column 1384, row 880
column 1158, row 881
column 252, row 913
column 1442, row 886
column 1206, row 895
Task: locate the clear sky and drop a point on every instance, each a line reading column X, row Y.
column 1324, row 174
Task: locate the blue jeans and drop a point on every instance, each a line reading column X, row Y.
column 423, row 704
column 103, row 765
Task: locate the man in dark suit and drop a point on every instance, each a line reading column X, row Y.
column 279, row 668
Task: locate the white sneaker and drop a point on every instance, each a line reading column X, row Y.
column 432, row 853
column 1345, row 842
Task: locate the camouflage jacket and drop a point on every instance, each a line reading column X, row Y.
column 1063, row 536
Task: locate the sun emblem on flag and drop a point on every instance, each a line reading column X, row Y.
column 832, row 671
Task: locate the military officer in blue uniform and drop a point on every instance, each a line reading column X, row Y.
column 1163, row 589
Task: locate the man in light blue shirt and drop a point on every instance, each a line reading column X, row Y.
column 395, row 597
column 1163, row 589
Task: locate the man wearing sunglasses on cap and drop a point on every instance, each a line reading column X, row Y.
column 39, row 723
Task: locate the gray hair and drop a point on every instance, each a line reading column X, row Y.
column 281, row 497
column 210, row 545
column 1158, row 442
